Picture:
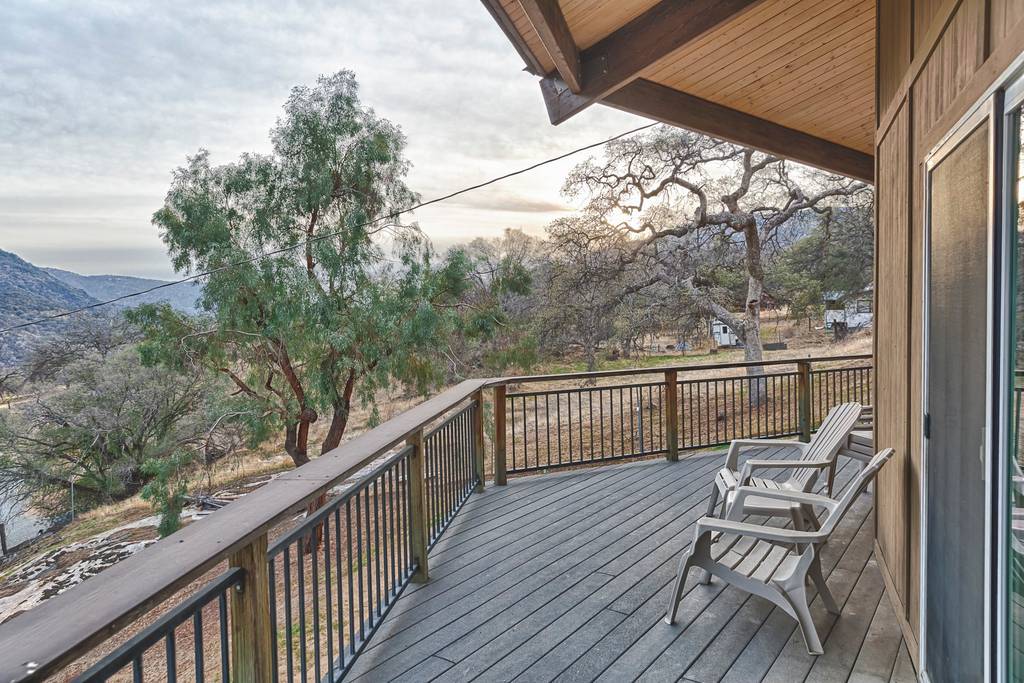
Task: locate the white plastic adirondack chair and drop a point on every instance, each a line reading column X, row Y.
column 814, row 457
column 772, row 562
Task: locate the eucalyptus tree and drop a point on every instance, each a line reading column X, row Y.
column 677, row 197
column 317, row 294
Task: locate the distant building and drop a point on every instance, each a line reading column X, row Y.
column 854, row 310
column 722, row 335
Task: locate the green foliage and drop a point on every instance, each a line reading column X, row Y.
column 305, row 329
column 96, row 416
column 167, row 489
column 836, row 256
column 497, row 333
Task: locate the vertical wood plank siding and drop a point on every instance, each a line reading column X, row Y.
column 933, row 57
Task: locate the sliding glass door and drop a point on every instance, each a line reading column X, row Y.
column 957, row 350
column 1013, row 451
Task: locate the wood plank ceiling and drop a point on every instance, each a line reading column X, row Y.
column 805, row 66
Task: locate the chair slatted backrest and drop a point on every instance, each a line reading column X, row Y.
column 856, row 487
column 830, row 437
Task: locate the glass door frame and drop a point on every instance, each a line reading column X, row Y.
column 1011, row 101
column 985, row 110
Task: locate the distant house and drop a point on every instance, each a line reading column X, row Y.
column 854, row 310
column 722, row 334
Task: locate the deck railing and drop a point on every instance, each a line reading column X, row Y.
column 558, row 426
column 221, row 600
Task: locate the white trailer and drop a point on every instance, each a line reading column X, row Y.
column 722, row 335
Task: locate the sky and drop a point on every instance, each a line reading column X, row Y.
column 101, row 100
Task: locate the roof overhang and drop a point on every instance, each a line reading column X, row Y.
column 792, row 77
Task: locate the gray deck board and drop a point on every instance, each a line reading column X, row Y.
column 565, row 577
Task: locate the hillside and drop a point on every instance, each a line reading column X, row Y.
column 182, row 297
column 29, row 292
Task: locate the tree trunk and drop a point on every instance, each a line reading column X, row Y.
column 753, row 348
column 296, row 438
column 340, row 411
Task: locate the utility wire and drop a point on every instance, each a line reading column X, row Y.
column 282, row 250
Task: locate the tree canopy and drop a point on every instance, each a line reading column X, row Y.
column 318, row 294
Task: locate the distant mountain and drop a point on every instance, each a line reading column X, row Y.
column 183, row 296
column 28, row 292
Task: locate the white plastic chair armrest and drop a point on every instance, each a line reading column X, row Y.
column 750, row 466
column 738, row 445
column 796, row 497
column 765, row 533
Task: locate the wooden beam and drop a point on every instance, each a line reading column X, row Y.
column 693, row 113
column 549, row 22
column 501, row 17
column 620, row 57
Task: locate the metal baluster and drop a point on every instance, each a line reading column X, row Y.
column 351, row 570
column 272, row 572
column 379, row 548
column 172, row 658
column 547, row 427
column 337, row 583
column 558, row 424
column 197, row 644
column 287, row 565
column 328, row 597
column 536, row 431
column 225, row 658
column 300, row 568
column 359, row 555
column 316, row 601
column 371, row 580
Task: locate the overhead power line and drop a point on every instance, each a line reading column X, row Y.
column 298, row 245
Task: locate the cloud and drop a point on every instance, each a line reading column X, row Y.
column 101, row 100
column 509, row 202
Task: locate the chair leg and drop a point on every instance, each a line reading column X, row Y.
column 797, row 598
column 685, row 563
column 823, row 592
column 714, row 499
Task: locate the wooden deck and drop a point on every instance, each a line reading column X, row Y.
column 564, row 577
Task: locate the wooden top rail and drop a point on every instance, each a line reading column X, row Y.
column 57, row 632
column 678, row 368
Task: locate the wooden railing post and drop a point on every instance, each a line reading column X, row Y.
column 419, row 537
column 500, row 464
column 252, row 637
column 803, row 385
column 478, row 439
column 671, row 415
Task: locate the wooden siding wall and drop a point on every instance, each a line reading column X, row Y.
column 935, row 57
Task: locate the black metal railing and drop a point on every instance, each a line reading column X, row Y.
column 562, row 427
column 450, row 451
column 177, row 645
column 713, row 412
column 838, row 385
column 362, row 518
column 565, row 427
column 335, row 576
